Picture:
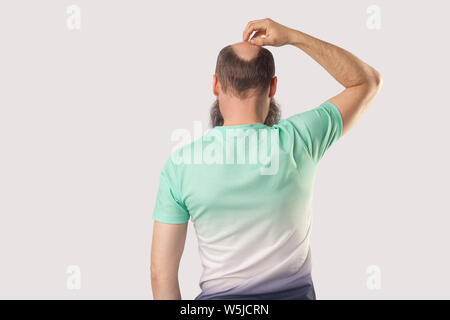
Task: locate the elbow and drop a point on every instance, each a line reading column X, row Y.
column 372, row 83
column 378, row 79
column 375, row 80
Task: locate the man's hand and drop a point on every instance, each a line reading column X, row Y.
column 362, row 82
column 268, row 33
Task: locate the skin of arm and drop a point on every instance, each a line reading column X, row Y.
column 167, row 249
column 361, row 82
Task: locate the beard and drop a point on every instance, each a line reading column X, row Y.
column 272, row 118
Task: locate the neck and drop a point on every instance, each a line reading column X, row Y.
column 238, row 112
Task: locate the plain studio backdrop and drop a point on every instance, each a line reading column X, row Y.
column 86, row 118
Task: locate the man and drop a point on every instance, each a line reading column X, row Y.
column 252, row 216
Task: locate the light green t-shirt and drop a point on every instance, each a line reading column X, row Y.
column 248, row 191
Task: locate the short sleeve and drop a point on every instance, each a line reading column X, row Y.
column 169, row 208
column 317, row 128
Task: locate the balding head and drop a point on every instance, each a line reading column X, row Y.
column 245, row 50
column 244, row 66
column 245, row 71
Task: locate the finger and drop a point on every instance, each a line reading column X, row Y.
column 258, row 25
column 259, row 38
column 258, row 34
column 253, row 26
column 259, row 41
column 244, row 34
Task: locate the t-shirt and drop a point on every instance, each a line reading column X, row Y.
column 248, row 191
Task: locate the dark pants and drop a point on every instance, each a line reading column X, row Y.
column 305, row 292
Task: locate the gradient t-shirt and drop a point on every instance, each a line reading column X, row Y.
column 248, row 190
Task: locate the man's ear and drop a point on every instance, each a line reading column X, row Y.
column 273, row 87
column 215, row 85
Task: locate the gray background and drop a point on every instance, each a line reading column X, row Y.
column 86, row 118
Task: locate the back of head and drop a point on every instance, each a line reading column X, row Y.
column 244, row 69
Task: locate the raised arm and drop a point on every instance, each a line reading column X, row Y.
column 167, row 248
column 361, row 81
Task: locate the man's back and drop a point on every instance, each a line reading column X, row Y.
column 248, row 190
column 252, row 216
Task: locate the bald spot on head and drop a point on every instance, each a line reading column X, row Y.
column 245, row 50
column 243, row 68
